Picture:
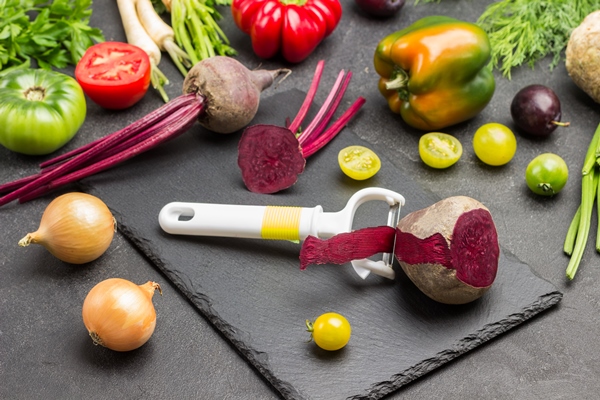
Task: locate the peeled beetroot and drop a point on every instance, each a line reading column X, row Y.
column 449, row 250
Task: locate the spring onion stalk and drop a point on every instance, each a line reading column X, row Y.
column 587, row 204
column 196, row 28
column 569, row 243
column 598, row 213
column 574, row 226
column 593, row 152
column 578, row 232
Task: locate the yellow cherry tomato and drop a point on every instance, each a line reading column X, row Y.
column 359, row 162
column 494, row 144
column 330, row 331
column 439, row 150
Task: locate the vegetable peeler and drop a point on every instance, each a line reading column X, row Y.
column 281, row 222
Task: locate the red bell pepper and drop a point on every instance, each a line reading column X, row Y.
column 293, row 27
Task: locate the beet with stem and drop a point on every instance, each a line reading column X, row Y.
column 271, row 157
column 219, row 92
column 449, row 250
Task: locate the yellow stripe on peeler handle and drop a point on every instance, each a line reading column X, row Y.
column 282, row 223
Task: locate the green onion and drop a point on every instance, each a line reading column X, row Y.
column 578, row 232
column 588, row 196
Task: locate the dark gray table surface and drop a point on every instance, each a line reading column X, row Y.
column 552, row 356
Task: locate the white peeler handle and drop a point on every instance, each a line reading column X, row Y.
column 228, row 220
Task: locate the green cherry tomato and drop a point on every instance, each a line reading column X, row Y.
column 494, row 144
column 439, row 150
column 330, row 331
column 359, row 162
column 40, row 111
column 547, row 174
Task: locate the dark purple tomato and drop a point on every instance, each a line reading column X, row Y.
column 380, row 8
column 535, row 109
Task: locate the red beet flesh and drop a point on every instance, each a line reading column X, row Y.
column 270, row 158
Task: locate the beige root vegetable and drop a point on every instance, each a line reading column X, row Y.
column 137, row 36
column 76, row 228
column 162, row 34
column 583, row 55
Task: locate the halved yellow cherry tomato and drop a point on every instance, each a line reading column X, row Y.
column 359, row 162
column 439, row 150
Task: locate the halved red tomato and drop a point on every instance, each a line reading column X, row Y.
column 114, row 75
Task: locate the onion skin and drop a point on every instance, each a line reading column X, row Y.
column 76, row 228
column 119, row 314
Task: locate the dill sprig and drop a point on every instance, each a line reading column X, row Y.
column 525, row 31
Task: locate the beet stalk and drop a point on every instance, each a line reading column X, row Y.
column 271, row 157
column 219, row 92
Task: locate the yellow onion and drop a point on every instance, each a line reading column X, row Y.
column 76, row 228
column 119, row 314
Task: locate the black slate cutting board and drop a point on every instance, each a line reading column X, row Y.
column 254, row 292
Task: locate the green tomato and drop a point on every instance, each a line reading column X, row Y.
column 40, row 111
column 439, row 150
column 547, row 174
column 330, row 331
column 494, row 144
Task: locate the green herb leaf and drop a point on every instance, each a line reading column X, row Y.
column 54, row 33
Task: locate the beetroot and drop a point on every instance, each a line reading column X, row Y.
column 219, row 92
column 449, row 250
column 271, row 157
column 232, row 91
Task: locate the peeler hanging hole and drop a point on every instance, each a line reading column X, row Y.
column 181, row 213
column 185, row 217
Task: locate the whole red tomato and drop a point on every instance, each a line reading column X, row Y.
column 114, row 75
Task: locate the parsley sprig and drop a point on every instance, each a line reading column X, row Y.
column 54, row 33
